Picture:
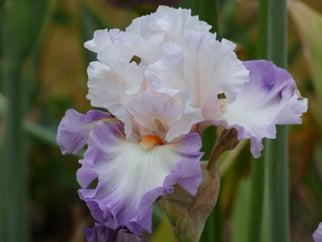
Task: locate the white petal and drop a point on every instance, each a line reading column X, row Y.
column 162, row 115
column 110, row 88
column 111, row 45
column 205, row 66
column 156, row 29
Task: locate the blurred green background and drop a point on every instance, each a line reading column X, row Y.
column 43, row 73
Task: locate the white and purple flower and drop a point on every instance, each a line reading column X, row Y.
column 182, row 78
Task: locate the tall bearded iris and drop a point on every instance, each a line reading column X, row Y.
column 161, row 80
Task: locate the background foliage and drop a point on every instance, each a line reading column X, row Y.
column 43, row 73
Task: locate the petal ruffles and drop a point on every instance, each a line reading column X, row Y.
column 269, row 98
column 100, row 233
column 131, row 176
column 74, row 129
column 204, row 66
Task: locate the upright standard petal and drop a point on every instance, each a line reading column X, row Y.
column 205, row 66
column 132, row 175
column 109, row 88
column 74, row 129
column 156, row 29
column 269, row 98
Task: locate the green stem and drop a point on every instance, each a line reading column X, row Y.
column 277, row 32
column 256, row 200
column 269, row 220
column 14, row 202
column 21, row 27
column 278, row 197
column 208, row 11
column 277, row 157
column 256, row 221
column 40, row 132
column 262, row 30
column 191, row 4
column 31, row 128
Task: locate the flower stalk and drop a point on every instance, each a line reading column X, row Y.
column 188, row 214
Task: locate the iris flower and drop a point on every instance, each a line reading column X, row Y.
column 161, row 80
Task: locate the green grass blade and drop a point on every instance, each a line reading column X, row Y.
column 14, row 219
column 212, row 230
column 277, row 32
column 89, row 23
column 256, row 199
column 192, row 4
column 262, row 30
column 21, row 27
column 278, row 193
column 208, row 12
column 256, row 196
column 277, row 156
column 269, row 220
column 241, row 212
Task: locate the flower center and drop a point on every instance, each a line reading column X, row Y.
column 150, row 140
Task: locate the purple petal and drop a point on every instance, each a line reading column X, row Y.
column 73, row 130
column 317, row 235
column 126, row 236
column 269, row 98
column 131, row 176
column 100, row 233
column 281, row 87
